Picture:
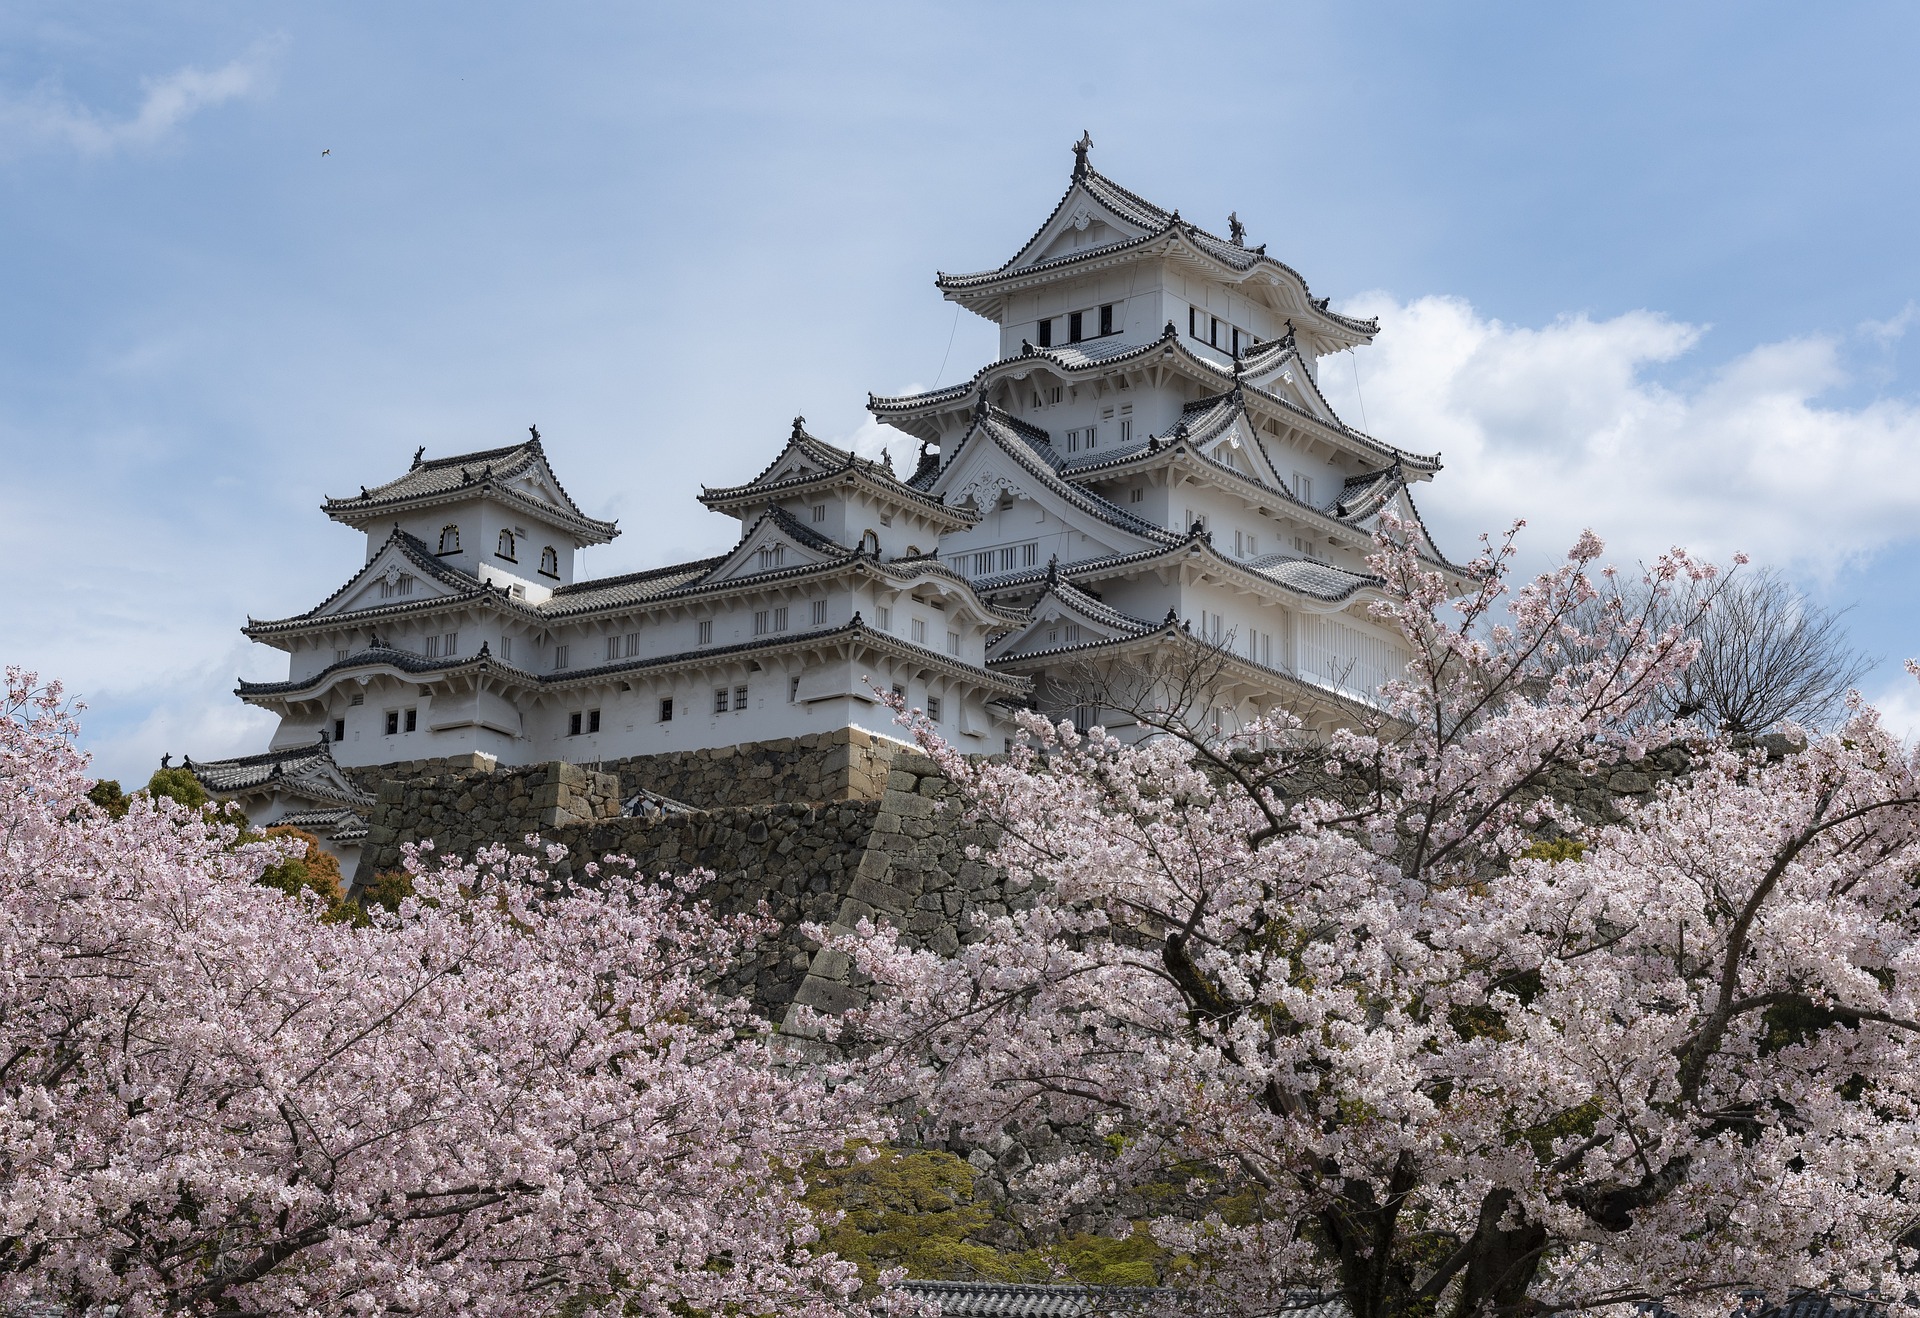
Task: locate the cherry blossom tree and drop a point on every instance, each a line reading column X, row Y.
column 1413, row 1033
column 510, row 1095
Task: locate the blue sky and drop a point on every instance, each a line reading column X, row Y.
column 1645, row 267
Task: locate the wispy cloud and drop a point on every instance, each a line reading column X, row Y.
column 47, row 118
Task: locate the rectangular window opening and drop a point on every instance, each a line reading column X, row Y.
column 1106, row 319
column 819, row 512
column 666, row 709
column 780, row 618
column 339, row 729
column 739, row 697
column 562, row 656
column 573, row 724
column 706, row 631
column 720, row 700
column 1073, row 327
column 413, row 719
column 393, row 722
column 1043, row 333
column 933, row 708
column 819, row 612
column 593, row 720
column 953, row 642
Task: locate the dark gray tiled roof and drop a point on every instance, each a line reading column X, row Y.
column 1029, row 446
column 968, row 1299
column 1157, row 221
column 302, row 770
column 437, row 478
column 829, row 462
column 378, row 655
column 339, row 825
column 884, row 405
column 1306, row 577
column 631, row 587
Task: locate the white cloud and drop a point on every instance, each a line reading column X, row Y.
column 1564, row 426
column 1899, row 707
column 48, row 118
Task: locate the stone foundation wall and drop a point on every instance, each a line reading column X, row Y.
column 846, row 764
column 899, row 856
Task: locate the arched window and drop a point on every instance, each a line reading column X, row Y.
column 870, row 542
column 550, row 561
column 505, row 549
column 449, row 539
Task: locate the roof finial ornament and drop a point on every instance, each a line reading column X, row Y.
column 982, row 409
column 886, row 460
column 1080, row 149
column 1236, row 230
column 535, row 432
column 419, row 453
column 166, row 759
column 1053, row 570
column 363, row 491
column 799, row 426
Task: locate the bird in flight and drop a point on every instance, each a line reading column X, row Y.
column 327, row 152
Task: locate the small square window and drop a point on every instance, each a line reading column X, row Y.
column 920, row 630
column 393, row 722
column 706, row 631
column 953, row 642
column 719, row 700
column 819, row 612
column 762, row 622
column 739, row 697
column 886, row 519
column 900, row 690
column 819, row 512
column 666, row 709
column 357, row 700
column 573, row 724
column 562, row 656
column 633, row 644
column 780, row 618
column 413, row 719
column 933, row 708
column 1137, row 494
column 613, row 647
column 885, row 615
column 1029, row 554
column 340, row 656
column 432, row 650
column 450, row 644
column 593, row 720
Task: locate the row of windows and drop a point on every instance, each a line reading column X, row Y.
column 1007, row 558
column 1217, row 333
column 506, row 547
column 1078, row 323
column 586, row 722
column 766, row 622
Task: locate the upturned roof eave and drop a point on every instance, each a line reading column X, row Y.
column 358, row 512
column 982, row 287
column 727, row 498
column 894, row 409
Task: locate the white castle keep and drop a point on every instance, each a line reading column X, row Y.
column 1149, row 464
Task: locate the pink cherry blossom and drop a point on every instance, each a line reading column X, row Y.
column 512, row 1093
column 1442, row 1076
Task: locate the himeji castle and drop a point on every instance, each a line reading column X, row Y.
column 1148, row 469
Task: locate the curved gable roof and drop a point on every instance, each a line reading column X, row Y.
column 486, row 472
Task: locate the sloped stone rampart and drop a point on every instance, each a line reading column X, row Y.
column 846, row 764
column 899, row 857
